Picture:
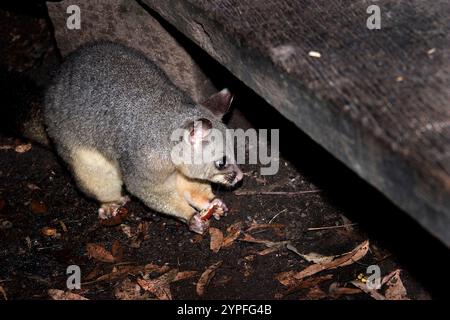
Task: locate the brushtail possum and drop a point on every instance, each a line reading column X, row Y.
column 110, row 113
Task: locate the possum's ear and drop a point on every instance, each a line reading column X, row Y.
column 219, row 103
column 198, row 130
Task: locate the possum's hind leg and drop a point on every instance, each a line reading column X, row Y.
column 98, row 178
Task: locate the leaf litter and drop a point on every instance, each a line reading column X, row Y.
column 393, row 284
column 325, row 263
column 206, row 277
column 160, row 287
column 57, row 294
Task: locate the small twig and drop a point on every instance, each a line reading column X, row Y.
column 331, row 227
column 273, row 218
column 125, row 263
column 285, row 193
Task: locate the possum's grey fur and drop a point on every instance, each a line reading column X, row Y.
column 116, row 107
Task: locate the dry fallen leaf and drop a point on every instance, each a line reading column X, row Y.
column 159, row 287
column 373, row 293
column 129, row 290
column 233, row 232
column 249, row 238
column 206, row 277
column 21, row 148
column 279, row 244
column 315, row 293
column 230, row 238
column 216, row 239
column 98, row 252
column 169, row 276
column 116, row 273
column 196, row 238
column 395, row 289
column 151, row 267
column 117, row 251
column 311, row 257
column 343, row 260
column 269, row 250
column 286, row 278
column 56, row 294
column 235, row 227
column 94, row 273
column 271, row 246
column 184, row 275
column 258, row 226
column 160, row 291
column 337, row 291
column 295, row 285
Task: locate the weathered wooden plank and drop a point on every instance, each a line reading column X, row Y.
column 376, row 99
column 128, row 23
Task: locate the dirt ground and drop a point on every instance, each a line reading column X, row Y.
column 46, row 224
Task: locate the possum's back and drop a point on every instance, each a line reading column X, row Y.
column 104, row 94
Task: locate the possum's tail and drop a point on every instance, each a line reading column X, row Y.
column 21, row 108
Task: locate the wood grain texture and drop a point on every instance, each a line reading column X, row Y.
column 376, row 99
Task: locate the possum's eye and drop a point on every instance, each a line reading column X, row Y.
column 221, row 163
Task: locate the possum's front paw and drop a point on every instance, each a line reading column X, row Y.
column 198, row 225
column 110, row 210
column 216, row 208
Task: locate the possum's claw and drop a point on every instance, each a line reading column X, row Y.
column 198, row 225
column 221, row 208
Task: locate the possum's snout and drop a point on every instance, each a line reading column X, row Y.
column 234, row 176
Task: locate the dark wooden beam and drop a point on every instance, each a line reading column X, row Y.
column 379, row 100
